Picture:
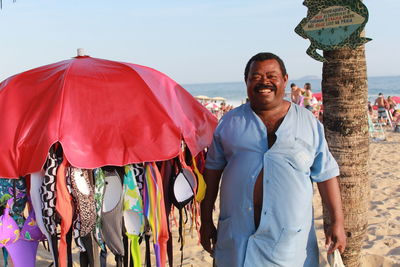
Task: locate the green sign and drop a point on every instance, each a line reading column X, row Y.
column 333, row 24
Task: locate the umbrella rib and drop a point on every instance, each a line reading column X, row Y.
column 62, row 97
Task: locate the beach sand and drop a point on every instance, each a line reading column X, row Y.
column 382, row 244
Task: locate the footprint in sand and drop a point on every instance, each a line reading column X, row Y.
column 395, row 251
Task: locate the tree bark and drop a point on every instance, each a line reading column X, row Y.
column 345, row 94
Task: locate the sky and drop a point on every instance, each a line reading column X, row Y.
column 192, row 41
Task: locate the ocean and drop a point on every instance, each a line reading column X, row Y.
column 235, row 92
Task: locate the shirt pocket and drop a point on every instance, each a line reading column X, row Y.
column 224, row 234
column 290, row 241
column 301, row 157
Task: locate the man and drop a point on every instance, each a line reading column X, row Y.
column 295, row 95
column 382, row 104
column 268, row 152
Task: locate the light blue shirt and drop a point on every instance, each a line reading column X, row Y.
column 300, row 156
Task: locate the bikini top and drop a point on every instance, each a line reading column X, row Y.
column 11, row 188
column 31, row 231
column 98, row 197
column 183, row 184
column 48, row 193
column 83, row 192
column 201, row 184
column 10, row 232
column 111, row 213
column 133, row 212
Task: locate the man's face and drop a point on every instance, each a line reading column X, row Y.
column 265, row 84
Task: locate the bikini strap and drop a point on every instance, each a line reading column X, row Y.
column 147, row 255
column 9, row 204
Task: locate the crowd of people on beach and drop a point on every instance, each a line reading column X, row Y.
column 304, row 98
column 218, row 110
column 387, row 109
column 387, row 112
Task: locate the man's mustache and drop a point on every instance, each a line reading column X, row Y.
column 265, row 86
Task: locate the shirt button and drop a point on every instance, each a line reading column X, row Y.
column 250, row 208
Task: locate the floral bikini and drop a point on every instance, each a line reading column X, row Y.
column 20, row 242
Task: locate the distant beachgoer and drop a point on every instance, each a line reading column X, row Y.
column 382, row 105
column 396, row 120
column 307, row 94
column 267, row 153
column 370, row 109
column 295, row 95
column 391, row 103
column 396, row 116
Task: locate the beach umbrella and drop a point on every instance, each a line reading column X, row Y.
column 317, row 96
column 218, row 98
column 211, row 106
column 102, row 112
column 396, row 99
column 202, row 97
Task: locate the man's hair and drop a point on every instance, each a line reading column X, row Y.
column 307, row 86
column 261, row 57
column 292, row 84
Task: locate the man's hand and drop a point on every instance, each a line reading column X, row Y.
column 208, row 232
column 208, row 236
column 335, row 235
column 335, row 238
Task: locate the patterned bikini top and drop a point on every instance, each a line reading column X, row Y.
column 48, row 193
column 83, row 192
column 10, row 188
column 10, row 232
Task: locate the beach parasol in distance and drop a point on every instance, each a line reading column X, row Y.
column 211, row 106
column 317, row 96
column 202, row 97
column 219, row 98
column 396, row 99
column 102, row 112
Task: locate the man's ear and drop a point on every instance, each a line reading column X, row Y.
column 286, row 79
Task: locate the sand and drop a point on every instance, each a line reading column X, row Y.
column 382, row 244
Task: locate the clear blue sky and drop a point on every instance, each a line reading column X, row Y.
column 191, row 41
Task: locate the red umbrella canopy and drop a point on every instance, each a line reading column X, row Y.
column 317, row 96
column 102, row 112
column 396, row 99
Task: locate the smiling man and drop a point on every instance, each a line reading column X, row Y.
column 266, row 154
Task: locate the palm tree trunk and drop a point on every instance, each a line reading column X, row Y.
column 345, row 93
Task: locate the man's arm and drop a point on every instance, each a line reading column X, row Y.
column 208, row 232
column 330, row 194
